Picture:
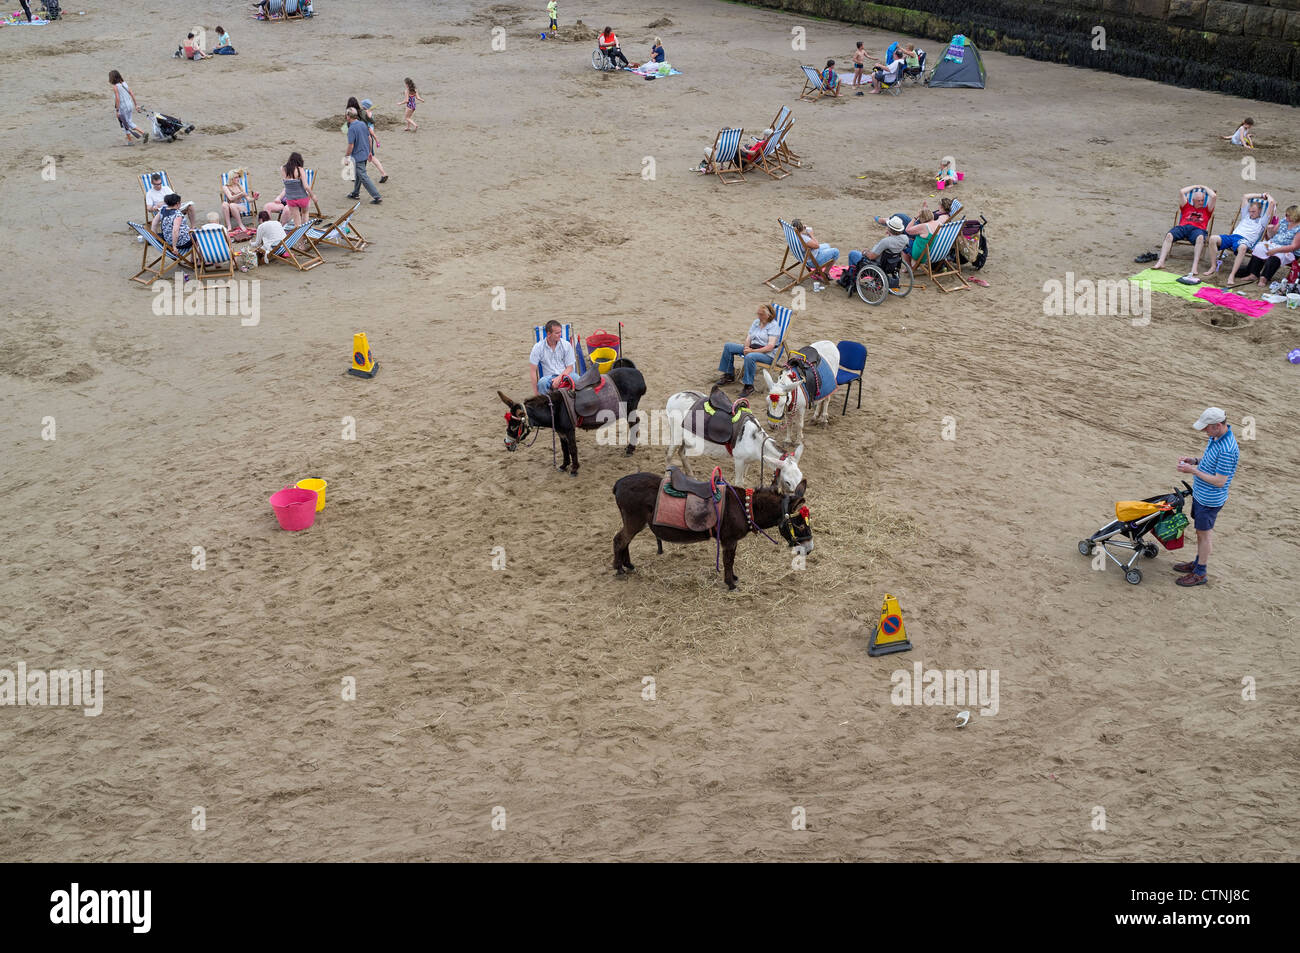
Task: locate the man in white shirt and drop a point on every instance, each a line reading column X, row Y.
column 550, row 358
column 1256, row 210
column 156, row 198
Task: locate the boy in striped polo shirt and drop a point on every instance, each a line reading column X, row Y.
column 1212, row 472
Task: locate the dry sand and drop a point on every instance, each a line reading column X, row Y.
column 522, row 688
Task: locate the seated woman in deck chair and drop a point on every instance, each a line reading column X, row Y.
column 1196, row 206
column 831, row 79
column 818, row 256
column 748, row 155
column 233, row 198
column 1281, row 249
column 608, row 44
column 174, row 225
column 920, row 232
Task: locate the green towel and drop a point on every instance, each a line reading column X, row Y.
column 1166, row 282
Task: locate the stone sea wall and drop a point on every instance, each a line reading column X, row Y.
column 1244, row 49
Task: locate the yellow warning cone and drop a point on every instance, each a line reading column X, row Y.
column 889, row 636
column 363, row 361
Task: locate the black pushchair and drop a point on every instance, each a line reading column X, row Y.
column 168, row 127
column 1162, row 516
column 52, row 11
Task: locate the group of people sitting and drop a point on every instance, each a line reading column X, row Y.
column 900, row 60
column 608, row 43
column 1261, row 241
column 192, row 48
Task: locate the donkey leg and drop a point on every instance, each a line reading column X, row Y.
column 623, row 542
column 728, row 564
column 633, row 429
column 572, row 448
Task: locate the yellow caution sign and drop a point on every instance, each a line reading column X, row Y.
column 363, row 361
column 889, row 637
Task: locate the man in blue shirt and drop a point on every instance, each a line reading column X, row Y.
column 359, row 151
column 551, row 357
column 1212, row 472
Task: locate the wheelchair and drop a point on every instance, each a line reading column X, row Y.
column 891, row 275
column 600, row 60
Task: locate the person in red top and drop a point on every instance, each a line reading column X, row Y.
column 1194, row 212
column 609, row 46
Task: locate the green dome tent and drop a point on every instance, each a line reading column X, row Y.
column 961, row 66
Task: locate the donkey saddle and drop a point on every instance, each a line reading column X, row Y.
column 590, row 394
column 716, row 419
column 686, row 503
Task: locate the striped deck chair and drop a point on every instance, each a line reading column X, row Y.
column 813, row 87
column 726, row 158
column 168, row 257
column 1209, row 230
column 294, row 245
column 788, row 156
column 566, row 334
column 250, row 204
column 940, row 250
column 275, row 10
column 145, row 186
column 340, row 233
column 770, row 159
column 309, row 177
column 783, row 315
column 213, row 257
column 795, row 256
column 293, row 10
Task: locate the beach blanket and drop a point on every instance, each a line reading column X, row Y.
column 20, row 18
column 650, row 69
column 1166, row 283
column 1235, row 302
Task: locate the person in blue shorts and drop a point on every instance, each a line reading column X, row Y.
column 1257, row 209
column 1212, row 472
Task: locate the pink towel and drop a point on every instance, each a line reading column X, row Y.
column 835, row 272
column 1235, row 302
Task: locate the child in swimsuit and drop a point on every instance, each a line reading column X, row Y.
column 859, row 63
column 412, row 97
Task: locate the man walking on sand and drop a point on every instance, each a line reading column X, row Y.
column 359, row 151
column 1212, row 472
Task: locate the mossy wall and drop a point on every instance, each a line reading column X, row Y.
column 1244, row 49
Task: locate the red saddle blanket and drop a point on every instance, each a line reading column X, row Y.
column 688, row 512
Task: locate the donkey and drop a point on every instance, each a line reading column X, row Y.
column 789, row 395
column 539, row 412
column 754, row 446
column 743, row 511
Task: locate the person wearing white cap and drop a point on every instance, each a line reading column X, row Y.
column 895, row 242
column 1212, row 472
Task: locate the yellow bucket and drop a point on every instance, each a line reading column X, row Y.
column 604, row 358
column 318, row 486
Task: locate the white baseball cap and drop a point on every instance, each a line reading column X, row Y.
column 1212, row 415
column 895, row 224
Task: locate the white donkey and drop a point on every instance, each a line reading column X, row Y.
column 788, row 396
column 755, row 445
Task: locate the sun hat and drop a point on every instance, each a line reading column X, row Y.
column 1212, row 415
column 366, row 104
column 895, row 224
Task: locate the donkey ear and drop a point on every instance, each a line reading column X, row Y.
column 506, row 400
column 767, row 379
column 801, row 491
column 798, row 452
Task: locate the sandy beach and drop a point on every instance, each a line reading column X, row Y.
column 524, row 687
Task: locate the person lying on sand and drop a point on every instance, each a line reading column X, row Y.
column 1196, row 206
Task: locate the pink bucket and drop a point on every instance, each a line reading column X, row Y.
column 295, row 508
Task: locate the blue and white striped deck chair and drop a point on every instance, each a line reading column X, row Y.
column 168, row 257
column 794, row 264
column 788, row 156
column 725, row 158
column 250, row 204
column 770, row 160
column 146, row 185
column 213, row 258
column 813, row 87
column 341, row 232
column 309, row 177
column 783, row 315
column 292, row 10
column 275, row 10
column 940, row 250
column 295, row 244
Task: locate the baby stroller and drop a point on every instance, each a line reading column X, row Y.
column 1162, row 516
column 168, row 127
column 52, row 11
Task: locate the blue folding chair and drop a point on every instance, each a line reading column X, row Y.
column 853, row 363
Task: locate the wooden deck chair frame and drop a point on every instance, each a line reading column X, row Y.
column 791, row 258
column 769, row 161
column 949, row 267
column 812, row 84
column 733, row 138
column 293, row 245
column 341, row 233
column 309, row 177
column 168, row 257
column 212, row 242
column 783, row 315
column 144, row 190
column 296, row 14
column 250, row 203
